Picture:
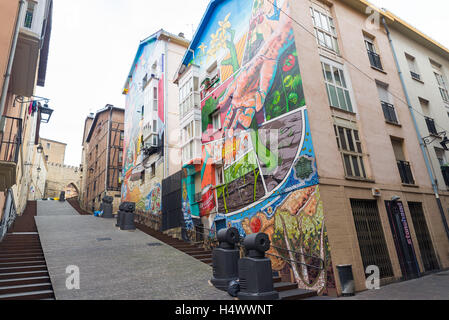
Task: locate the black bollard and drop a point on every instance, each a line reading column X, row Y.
column 62, row 196
column 107, row 207
column 127, row 217
column 225, row 259
column 255, row 272
column 122, row 207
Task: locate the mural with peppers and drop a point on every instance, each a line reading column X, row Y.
column 260, row 163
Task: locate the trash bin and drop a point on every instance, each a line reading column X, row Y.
column 346, row 280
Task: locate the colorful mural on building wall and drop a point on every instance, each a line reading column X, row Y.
column 261, row 164
column 148, row 68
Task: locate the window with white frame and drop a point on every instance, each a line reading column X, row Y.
column 350, row 146
column 373, row 55
column 155, row 99
column 216, row 120
column 189, row 96
column 325, row 30
column 338, row 89
column 441, row 80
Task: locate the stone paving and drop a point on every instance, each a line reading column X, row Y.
column 430, row 287
column 114, row 264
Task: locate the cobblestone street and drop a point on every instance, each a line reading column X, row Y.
column 116, row 264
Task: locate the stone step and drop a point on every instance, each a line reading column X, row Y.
column 284, row 286
column 296, row 294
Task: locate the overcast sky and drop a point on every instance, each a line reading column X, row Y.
column 94, row 42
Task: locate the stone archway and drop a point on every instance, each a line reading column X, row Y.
column 71, row 191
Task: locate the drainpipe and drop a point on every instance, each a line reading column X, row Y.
column 7, row 75
column 165, row 112
column 421, row 142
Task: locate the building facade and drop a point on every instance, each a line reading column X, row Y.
column 83, row 173
column 54, row 150
column 24, row 42
column 151, row 148
column 104, row 158
column 297, row 127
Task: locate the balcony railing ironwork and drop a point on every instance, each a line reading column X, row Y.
column 431, row 126
column 406, row 172
column 445, row 171
column 10, row 139
column 389, row 112
column 374, row 59
column 415, row 76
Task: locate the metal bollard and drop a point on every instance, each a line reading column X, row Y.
column 255, row 272
column 107, row 207
column 225, row 259
column 127, row 217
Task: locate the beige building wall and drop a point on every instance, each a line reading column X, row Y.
column 62, row 178
column 8, row 15
column 54, row 150
column 375, row 133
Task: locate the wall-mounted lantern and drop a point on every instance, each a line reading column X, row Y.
column 46, row 113
column 40, row 149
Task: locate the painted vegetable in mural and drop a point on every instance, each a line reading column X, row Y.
column 272, row 186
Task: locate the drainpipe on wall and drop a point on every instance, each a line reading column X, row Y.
column 12, row 53
column 165, row 112
column 421, row 142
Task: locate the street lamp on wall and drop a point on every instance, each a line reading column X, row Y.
column 40, row 149
column 440, row 135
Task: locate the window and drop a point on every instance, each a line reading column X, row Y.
column 216, row 120
column 374, row 57
column 48, row 145
column 155, row 100
column 414, row 72
column 431, row 126
column 442, row 86
column 220, row 176
column 325, row 30
column 154, row 126
column 29, row 15
column 120, row 156
column 142, row 112
column 337, row 88
column 122, row 135
column 385, row 100
column 441, row 156
column 404, row 166
column 189, row 96
column 144, row 82
column 350, row 146
column 441, row 80
column 153, row 170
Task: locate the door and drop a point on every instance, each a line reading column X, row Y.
column 402, row 239
column 428, row 256
column 172, row 216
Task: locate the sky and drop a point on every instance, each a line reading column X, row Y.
column 94, row 42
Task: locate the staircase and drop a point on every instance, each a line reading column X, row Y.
column 287, row 290
column 23, row 270
column 76, row 205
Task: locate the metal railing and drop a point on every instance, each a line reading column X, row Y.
column 374, row 59
column 406, row 172
column 389, row 112
column 10, row 139
column 415, row 75
column 9, row 214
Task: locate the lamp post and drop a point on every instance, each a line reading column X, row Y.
column 40, row 149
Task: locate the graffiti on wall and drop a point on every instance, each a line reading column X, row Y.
column 144, row 79
column 261, row 162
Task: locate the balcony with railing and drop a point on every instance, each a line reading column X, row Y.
column 389, row 112
column 405, row 172
column 374, row 59
column 10, row 142
column 415, row 75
